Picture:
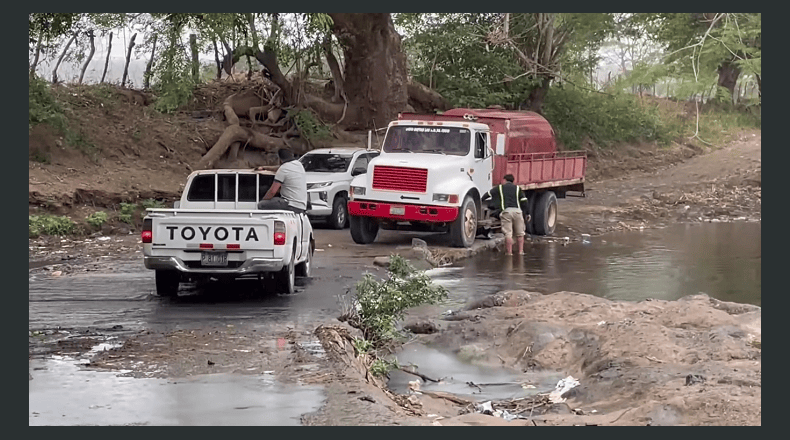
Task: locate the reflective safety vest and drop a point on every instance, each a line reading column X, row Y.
column 508, row 195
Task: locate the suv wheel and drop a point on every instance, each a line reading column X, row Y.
column 339, row 217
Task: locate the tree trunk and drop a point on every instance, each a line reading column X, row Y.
column 334, row 67
column 217, row 60
column 375, row 77
column 728, row 77
column 60, row 59
column 759, row 86
column 269, row 60
column 195, row 62
column 128, row 57
column 38, row 52
column 538, row 95
column 147, row 76
column 107, row 60
column 90, row 56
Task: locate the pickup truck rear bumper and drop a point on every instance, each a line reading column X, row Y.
column 252, row 265
column 403, row 212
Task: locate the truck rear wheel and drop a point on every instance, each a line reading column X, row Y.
column 305, row 268
column 464, row 228
column 545, row 219
column 363, row 229
column 167, row 282
column 530, row 225
column 339, row 216
column 285, row 279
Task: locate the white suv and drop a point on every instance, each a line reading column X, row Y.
column 329, row 173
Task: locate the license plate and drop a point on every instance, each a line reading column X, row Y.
column 397, row 210
column 214, row 258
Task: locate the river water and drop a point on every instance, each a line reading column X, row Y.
column 722, row 260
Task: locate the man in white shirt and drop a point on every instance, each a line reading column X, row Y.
column 291, row 181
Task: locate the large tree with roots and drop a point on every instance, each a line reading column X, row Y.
column 370, row 91
column 363, row 53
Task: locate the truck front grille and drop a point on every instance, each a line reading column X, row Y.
column 400, row 178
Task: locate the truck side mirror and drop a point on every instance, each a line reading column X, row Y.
column 358, row 170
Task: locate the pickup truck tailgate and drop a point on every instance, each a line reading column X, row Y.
column 180, row 229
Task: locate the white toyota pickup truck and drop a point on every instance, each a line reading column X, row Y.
column 217, row 231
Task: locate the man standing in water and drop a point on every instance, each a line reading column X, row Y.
column 511, row 201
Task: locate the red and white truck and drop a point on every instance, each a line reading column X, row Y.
column 433, row 170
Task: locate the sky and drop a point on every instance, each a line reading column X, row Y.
column 70, row 71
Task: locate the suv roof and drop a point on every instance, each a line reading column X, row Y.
column 337, row 150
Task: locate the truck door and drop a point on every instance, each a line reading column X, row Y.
column 483, row 162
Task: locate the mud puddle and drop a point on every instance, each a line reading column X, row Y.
column 459, row 375
column 61, row 392
column 722, row 260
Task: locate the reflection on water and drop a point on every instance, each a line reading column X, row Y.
column 722, row 260
column 61, row 394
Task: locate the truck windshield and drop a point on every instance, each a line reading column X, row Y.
column 441, row 140
column 325, row 163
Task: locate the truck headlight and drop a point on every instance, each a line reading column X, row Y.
column 451, row 198
column 357, row 191
column 318, row 185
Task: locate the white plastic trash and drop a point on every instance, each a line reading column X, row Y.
column 563, row 386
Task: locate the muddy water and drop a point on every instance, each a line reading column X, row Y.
column 62, row 394
column 458, row 376
column 722, row 260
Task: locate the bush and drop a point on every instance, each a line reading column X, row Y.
column 43, row 108
column 97, row 219
column 604, row 118
column 309, row 127
column 152, row 203
column 49, row 225
column 127, row 212
column 379, row 305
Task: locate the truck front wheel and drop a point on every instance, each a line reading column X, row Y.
column 363, row 229
column 464, row 228
column 167, row 282
column 545, row 213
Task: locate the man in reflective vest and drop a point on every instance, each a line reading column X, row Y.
column 512, row 202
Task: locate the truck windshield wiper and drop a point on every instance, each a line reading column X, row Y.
column 435, row 150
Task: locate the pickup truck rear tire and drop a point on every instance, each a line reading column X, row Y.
column 545, row 219
column 285, row 279
column 464, row 228
column 363, row 229
column 167, row 282
column 305, row 268
column 339, row 217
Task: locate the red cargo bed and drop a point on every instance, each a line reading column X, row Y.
column 545, row 170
